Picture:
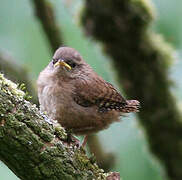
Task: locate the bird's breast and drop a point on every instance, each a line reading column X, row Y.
column 54, row 98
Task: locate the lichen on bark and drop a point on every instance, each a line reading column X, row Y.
column 35, row 149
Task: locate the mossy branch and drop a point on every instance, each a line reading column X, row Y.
column 35, row 149
column 141, row 59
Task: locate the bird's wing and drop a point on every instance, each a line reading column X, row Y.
column 98, row 92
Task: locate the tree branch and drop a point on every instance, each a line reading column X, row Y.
column 44, row 11
column 141, row 59
column 35, row 149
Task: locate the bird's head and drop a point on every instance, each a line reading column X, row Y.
column 67, row 62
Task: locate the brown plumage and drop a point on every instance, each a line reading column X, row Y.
column 74, row 95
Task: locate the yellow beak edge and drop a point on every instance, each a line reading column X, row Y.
column 62, row 63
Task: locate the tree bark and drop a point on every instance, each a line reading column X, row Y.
column 35, row 149
column 141, row 59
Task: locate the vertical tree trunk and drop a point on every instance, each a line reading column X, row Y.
column 141, row 59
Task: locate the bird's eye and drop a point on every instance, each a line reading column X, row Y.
column 71, row 63
column 54, row 61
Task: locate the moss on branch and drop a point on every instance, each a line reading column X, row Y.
column 34, row 149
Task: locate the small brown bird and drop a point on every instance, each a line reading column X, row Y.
column 74, row 95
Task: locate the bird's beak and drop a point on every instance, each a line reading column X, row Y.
column 63, row 64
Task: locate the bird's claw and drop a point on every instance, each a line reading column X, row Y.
column 73, row 140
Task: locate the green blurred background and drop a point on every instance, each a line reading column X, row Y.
column 22, row 37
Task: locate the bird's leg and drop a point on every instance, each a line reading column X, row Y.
column 72, row 139
column 84, row 141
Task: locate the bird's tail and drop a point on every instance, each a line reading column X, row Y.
column 131, row 106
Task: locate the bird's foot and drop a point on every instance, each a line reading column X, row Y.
column 72, row 140
column 84, row 142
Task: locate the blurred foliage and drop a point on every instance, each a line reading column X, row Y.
column 22, row 36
